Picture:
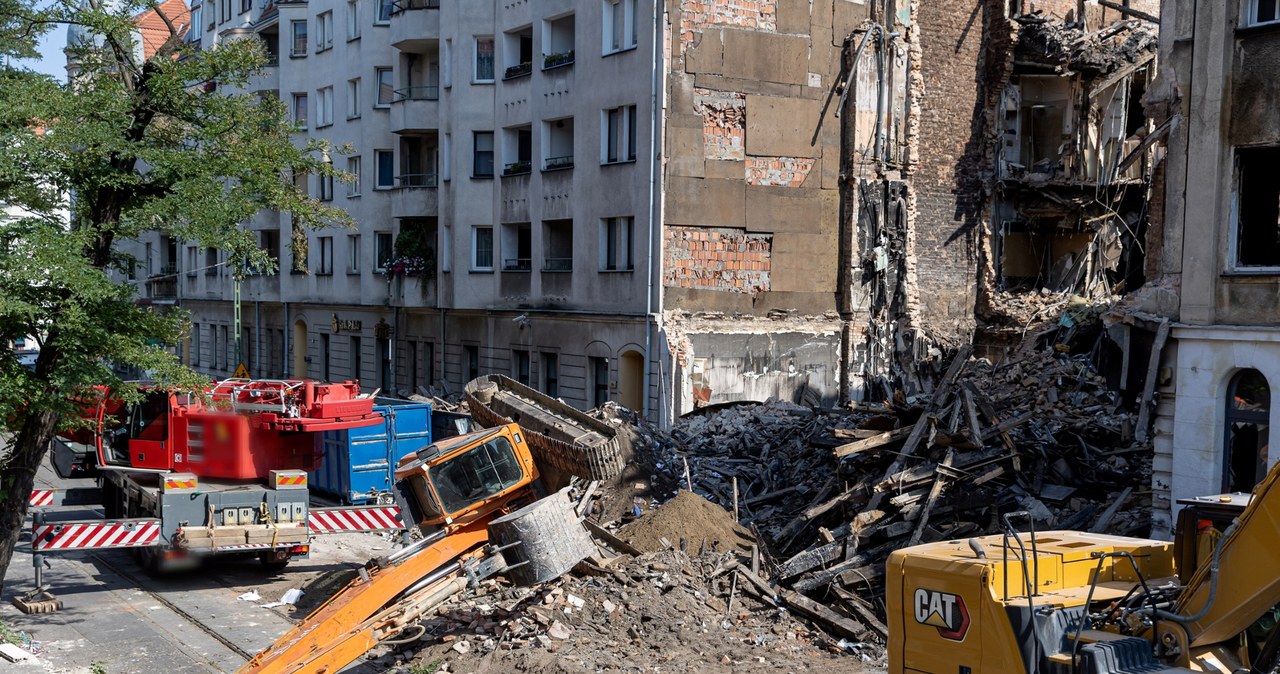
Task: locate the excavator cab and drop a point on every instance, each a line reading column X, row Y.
column 466, row 476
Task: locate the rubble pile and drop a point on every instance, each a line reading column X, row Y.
column 1069, row 46
column 669, row 610
column 829, row 493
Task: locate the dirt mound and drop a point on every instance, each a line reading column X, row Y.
column 688, row 517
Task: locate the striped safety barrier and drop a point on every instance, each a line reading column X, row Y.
column 94, row 535
column 41, row 498
column 338, row 520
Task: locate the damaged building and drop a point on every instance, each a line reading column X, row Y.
column 1215, row 255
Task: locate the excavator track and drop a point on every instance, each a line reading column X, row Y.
column 558, row 434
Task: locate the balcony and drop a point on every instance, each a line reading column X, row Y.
column 163, row 289
column 558, row 163
column 562, row 59
column 415, row 110
column 557, row 264
column 268, row 77
column 518, row 70
column 415, row 196
column 517, row 264
column 415, row 24
column 413, row 291
column 517, row 168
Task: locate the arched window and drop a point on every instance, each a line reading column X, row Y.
column 1248, row 413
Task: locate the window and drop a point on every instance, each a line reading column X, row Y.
column 386, row 88
column 353, row 19
column 326, row 182
column 557, row 245
column 483, row 71
column 193, row 260
column 382, row 250
column 477, row 475
column 300, row 110
column 517, row 247
column 245, row 6
column 1261, row 11
column 620, row 134
column 599, row 368
column 326, row 256
column 482, row 249
column 213, row 346
column 551, row 374
column 472, row 355
column 194, row 361
column 517, row 50
column 353, row 167
column 353, row 98
column 558, row 42
column 355, row 357
column 324, row 106
column 225, row 6
column 1257, row 236
column 384, row 365
column 210, row 261
column 228, row 347
column 269, row 240
column 300, row 181
column 299, row 47
column 324, row 357
column 615, row 244
column 385, row 8
column 324, row 31
column 482, row 155
column 520, row 366
column 619, row 25
column 353, row 253
column 1247, row 419
column 517, row 145
column 385, row 165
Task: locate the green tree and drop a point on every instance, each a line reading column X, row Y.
column 130, row 145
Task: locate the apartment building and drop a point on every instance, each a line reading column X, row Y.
column 1218, row 254
column 606, row 199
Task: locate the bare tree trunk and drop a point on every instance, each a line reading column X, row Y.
column 19, row 471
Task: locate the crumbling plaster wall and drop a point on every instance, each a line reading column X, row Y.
column 750, row 189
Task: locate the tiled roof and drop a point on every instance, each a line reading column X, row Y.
column 153, row 29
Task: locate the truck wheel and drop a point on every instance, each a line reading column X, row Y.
column 272, row 562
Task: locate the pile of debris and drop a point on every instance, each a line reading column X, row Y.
column 829, row 493
column 1118, row 46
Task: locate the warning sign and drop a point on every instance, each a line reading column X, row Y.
column 242, row 372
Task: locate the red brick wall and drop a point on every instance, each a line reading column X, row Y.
column 716, row 258
column 696, row 15
column 949, row 179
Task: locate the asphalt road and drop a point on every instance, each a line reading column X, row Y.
column 117, row 616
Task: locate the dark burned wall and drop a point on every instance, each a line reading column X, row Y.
column 965, row 43
column 1255, row 97
column 751, row 180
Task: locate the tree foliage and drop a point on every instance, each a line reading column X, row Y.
column 129, row 145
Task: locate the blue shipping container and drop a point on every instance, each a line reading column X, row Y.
column 358, row 463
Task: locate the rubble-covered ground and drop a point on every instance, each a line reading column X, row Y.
column 822, row 496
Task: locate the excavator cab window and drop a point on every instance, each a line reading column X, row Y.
column 150, row 418
column 476, row 475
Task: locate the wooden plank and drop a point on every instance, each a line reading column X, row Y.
column 585, row 502
column 1104, row 520
column 934, row 492
column 1008, row 425
column 1149, row 385
column 609, row 539
column 974, row 432
column 877, row 440
column 820, row 578
column 832, row 620
column 862, row 574
column 810, row 559
column 865, row 613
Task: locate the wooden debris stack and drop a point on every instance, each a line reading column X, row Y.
column 831, row 492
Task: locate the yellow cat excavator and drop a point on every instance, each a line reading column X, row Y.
column 1070, row 602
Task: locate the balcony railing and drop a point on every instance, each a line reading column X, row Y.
column 550, row 61
column 517, row 168
column 427, row 93
column 557, row 264
column 518, row 70
column 162, row 288
column 517, row 264
column 555, row 163
column 410, row 5
column 416, row 180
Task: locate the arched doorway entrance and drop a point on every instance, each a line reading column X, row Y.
column 631, row 381
column 300, row 349
column 1247, row 420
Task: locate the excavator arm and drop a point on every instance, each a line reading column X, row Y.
column 373, row 608
column 1248, row 581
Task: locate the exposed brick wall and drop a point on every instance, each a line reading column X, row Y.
column 778, row 171
column 965, row 45
column 695, row 15
column 1095, row 14
column 717, row 258
column 724, row 123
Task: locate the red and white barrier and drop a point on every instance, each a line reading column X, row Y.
column 95, row 535
column 338, row 520
column 41, row 498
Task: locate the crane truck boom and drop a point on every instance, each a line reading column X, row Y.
column 1070, row 601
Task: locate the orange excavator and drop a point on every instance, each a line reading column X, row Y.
column 458, row 490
